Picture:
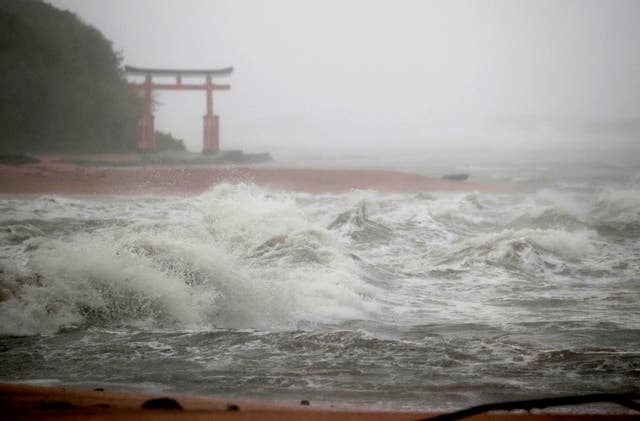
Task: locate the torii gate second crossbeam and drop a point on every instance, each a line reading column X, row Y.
column 146, row 138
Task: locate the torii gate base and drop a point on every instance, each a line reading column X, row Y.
column 211, row 143
column 211, row 122
column 146, row 133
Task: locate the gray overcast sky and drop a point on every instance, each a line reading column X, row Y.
column 345, row 74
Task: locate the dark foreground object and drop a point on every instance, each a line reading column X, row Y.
column 161, row 403
column 626, row 400
column 21, row 402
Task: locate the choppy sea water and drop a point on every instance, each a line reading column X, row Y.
column 421, row 301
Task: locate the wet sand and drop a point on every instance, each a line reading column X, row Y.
column 59, row 177
column 38, row 402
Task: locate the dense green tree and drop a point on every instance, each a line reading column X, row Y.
column 63, row 88
column 167, row 142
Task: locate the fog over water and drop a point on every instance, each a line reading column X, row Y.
column 414, row 301
column 336, row 75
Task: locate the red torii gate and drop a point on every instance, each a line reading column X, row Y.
column 146, row 139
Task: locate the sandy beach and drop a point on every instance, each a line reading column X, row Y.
column 56, row 176
column 59, row 403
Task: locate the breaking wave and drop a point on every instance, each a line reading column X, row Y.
column 219, row 272
column 240, row 256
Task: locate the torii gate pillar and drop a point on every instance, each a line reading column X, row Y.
column 211, row 123
column 146, row 132
column 211, row 142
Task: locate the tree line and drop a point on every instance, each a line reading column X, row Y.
column 62, row 84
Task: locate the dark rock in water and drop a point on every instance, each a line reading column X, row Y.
column 17, row 159
column 455, row 177
column 233, row 407
column 304, row 402
column 161, row 403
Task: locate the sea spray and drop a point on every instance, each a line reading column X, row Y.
column 199, row 275
column 248, row 291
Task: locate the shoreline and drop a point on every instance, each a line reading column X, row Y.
column 55, row 176
column 21, row 401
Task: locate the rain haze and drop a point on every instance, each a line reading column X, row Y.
column 412, row 206
column 335, row 75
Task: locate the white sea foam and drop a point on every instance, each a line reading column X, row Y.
column 241, row 256
column 248, row 289
column 201, row 275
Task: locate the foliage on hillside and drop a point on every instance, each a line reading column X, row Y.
column 62, row 85
column 167, row 142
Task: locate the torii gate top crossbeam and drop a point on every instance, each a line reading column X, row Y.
column 179, row 72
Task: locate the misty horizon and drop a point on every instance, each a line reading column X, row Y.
column 412, row 207
column 379, row 75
